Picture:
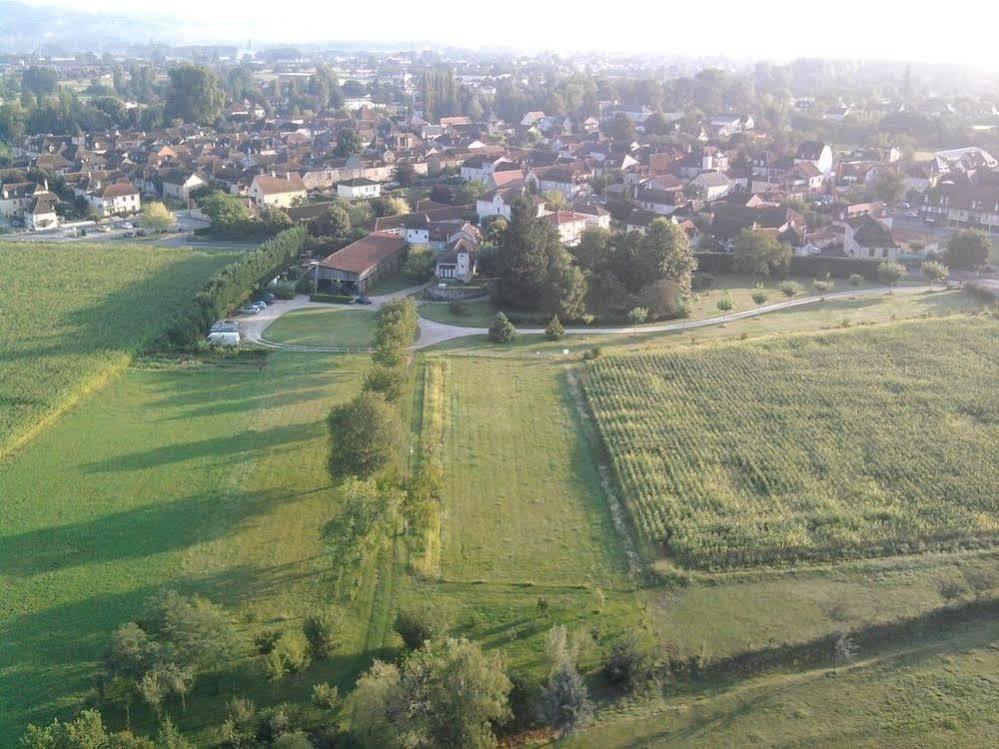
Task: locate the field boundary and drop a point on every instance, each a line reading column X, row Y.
column 608, row 483
column 86, row 388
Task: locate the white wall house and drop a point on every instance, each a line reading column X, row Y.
column 119, row 199
column 277, row 191
column 360, row 188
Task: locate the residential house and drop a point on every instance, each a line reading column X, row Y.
column 41, row 214
column 271, row 190
column 570, row 226
column 457, row 261
column 359, row 188
column 712, row 185
column 116, row 199
column 178, row 184
column 817, row 153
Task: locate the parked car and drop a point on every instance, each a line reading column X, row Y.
column 142, row 233
column 361, row 299
column 125, row 225
column 268, row 297
column 224, row 338
column 225, row 326
column 127, row 235
column 104, row 229
column 904, row 206
column 249, row 309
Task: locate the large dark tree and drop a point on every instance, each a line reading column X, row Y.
column 535, row 270
column 968, row 249
column 194, row 95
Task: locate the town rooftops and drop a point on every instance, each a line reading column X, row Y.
column 365, row 254
column 119, row 190
column 270, row 185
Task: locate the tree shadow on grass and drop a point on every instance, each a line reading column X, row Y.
column 233, row 447
column 151, row 529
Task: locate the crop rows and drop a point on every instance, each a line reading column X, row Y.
column 72, row 314
column 857, row 443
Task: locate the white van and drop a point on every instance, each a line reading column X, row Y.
column 224, row 338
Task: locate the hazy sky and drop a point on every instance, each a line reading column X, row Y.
column 959, row 31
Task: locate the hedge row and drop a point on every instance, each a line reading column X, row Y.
column 332, row 298
column 232, row 286
column 811, row 266
column 820, row 651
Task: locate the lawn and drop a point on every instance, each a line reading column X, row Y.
column 478, row 313
column 833, row 314
column 72, row 315
column 524, row 514
column 350, row 327
column 210, row 479
column 810, row 447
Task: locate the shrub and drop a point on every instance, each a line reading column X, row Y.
column 789, row 288
column 502, row 330
column 366, row 433
column 702, row 281
column 822, row 286
column 323, row 629
column 856, row 279
column 759, row 297
column 266, row 640
column 593, row 353
column 305, row 285
column 458, row 308
column 638, row 315
column 890, row 273
column 554, row 331
column 390, row 382
column 725, row 304
column 627, row 666
column 935, row 272
column 290, row 655
column 332, row 298
column 417, row 624
column 284, row 291
column 325, row 696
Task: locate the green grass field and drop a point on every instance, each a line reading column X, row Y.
column 351, row 327
column 853, row 443
column 71, row 315
column 210, row 476
column 209, row 479
column 935, row 691
column 478, row 313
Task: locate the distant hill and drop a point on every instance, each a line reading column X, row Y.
column 50, row 30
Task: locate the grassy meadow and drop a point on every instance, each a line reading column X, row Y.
column 939, row 690
column 209, row 479
column 71, row 315
column 210, row 476
column 849, row 443
column 327, row 327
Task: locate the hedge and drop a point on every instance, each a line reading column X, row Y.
column 813, row 266
column 232, row 286
column 332, row 298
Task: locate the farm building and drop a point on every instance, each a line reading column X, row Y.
column 360, row 264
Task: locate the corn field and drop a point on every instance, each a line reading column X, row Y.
column 856, row 443
column 72, row 315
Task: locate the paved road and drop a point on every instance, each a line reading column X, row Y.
column 253, row 327
column 432, row 333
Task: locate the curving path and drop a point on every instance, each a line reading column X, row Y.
column 432, row 333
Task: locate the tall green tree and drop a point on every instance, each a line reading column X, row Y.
column 194, row 95
column 760, row 253
column 968, row 249
column 446, row 695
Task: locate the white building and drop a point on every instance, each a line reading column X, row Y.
column 359, row 189
column 277, row 191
